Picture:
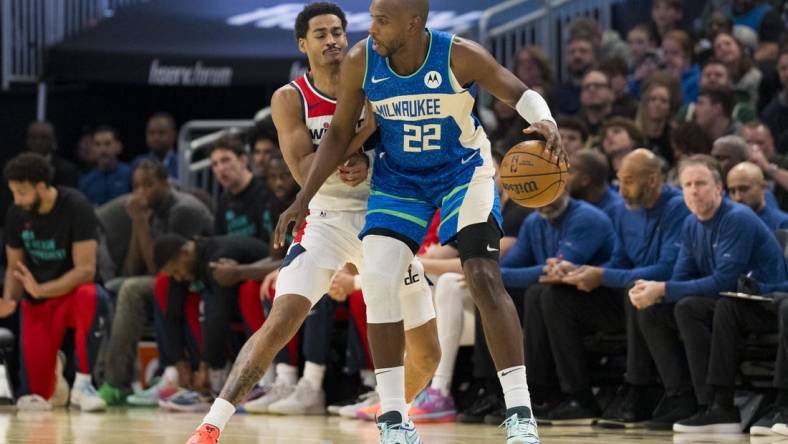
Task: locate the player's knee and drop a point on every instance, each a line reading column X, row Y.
column 484, row 281
column 381, row 296
column 385, row 261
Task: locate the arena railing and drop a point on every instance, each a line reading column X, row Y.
column 29, row 26
column 194, row 140
column 513, row 24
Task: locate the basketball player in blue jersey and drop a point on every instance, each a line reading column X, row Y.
column 300, row 111
column 433, row 155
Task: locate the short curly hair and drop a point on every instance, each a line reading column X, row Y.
column 167, row 248
column 29, row 167
column 313, row 10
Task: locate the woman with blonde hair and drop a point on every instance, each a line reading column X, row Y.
column 659, row 102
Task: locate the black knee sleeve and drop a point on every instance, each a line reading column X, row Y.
column 480, row 240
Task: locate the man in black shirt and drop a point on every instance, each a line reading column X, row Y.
column 242, row 205
column 191, row 262
column 51, row 250
column 41, row 139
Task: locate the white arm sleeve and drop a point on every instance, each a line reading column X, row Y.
column 533, row 108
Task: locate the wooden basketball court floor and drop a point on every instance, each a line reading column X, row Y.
column 149, row 426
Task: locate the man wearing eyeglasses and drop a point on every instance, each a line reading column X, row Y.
column 746, row 185
column 596, row 100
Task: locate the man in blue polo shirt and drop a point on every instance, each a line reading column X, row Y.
column 746, row 185
column 647, row 225
column 110, row 178
column 720, row 241
column 567, row 228
column 587, row 180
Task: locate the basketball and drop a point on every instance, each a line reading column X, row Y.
column 530, row 176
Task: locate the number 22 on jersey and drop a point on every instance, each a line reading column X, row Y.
column 418, row 138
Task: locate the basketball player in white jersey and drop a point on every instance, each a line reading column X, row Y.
column 302, row 112
column 433, row 154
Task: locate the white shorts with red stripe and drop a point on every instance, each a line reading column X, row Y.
column 329, row 241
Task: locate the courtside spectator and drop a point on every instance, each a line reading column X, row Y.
column 160, row 134
column 110, row 178
column 42, row 140
column 647, row 227
column 619, row 137
column 745, row 76
column 666, row 16
column 720, row 241
column 191, row 262
column 658, row 104
column 566, row 230
column 775, row 115
column 580, row 57
column 715, row 75
column 574, row 134
column 242, row 207
column 588, row 180
column 264, row 144
column 713, row 113
column 729, row 151
column 677, row 53
column 155, row 208
column 596, row 100
column 51, row 248
column 747, row 186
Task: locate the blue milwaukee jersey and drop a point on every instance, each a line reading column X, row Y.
column 428, row 131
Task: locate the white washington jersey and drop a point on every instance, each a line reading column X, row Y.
column 318, row 110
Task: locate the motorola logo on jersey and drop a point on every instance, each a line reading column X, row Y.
column 433, row 79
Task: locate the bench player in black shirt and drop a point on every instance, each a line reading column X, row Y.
column 191, row 262
column 51, row 249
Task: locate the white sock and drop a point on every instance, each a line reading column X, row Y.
column 170, row 375
column 441, row 384
column 391, row 388
column 368, row 378
column 449, row 312
column 221, row 412
column 216, row 379
column 286, row 374
column 269, row 377
column 515, row 387
column 314, row 374
column 82, row 378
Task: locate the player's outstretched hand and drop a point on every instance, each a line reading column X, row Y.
column 549, row 131
column 295, row 212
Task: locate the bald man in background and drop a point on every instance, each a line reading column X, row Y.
column 647, row 225
column 588, row 180
column 747, row 185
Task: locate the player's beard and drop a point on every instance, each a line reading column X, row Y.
column 35, row 206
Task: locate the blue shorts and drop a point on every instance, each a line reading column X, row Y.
column 406, row 210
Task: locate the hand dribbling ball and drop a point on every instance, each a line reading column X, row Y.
column 531, row 176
